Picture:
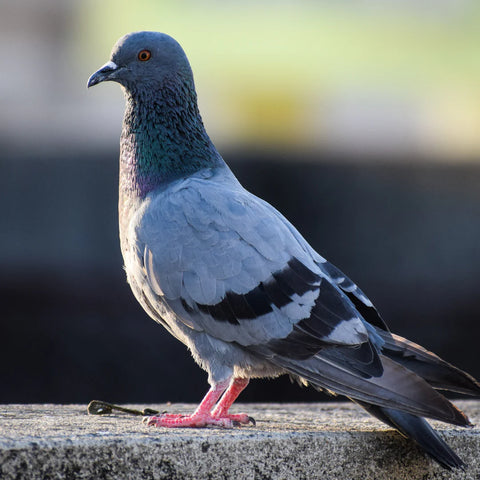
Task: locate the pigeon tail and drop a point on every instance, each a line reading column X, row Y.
column 437, row 372
column 417, row 429
column 396, row 388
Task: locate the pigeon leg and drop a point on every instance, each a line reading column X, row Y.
column 231, row 394
column 201, row 417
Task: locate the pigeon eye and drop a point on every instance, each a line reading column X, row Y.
column 144, row 55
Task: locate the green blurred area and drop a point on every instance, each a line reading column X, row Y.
column 316, row 40
column 392, row 78
column 274, row 71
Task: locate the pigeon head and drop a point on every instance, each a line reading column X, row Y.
column 163, row 136
column 143, row 60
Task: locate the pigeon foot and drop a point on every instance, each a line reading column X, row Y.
column 204, row 416
column 196, row 420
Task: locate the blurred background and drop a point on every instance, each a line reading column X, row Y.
column 358, row 119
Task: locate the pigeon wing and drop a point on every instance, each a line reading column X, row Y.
column 229, row 264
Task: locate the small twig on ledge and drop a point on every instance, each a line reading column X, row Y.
column 98, row 407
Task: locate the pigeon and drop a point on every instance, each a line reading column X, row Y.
column 230, row 277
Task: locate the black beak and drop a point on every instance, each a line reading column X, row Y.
column 105, row 73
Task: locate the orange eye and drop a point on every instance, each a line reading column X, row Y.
column 144, row 55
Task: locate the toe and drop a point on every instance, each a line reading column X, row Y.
column 149, row 421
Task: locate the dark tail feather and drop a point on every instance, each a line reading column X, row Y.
column 437, row 372
column 396, row 388
column 418, row 430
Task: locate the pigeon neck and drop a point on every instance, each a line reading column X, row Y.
column 163, row 137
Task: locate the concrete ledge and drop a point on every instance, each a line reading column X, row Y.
column 301, row 441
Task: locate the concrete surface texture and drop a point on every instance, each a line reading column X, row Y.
column 298, row 441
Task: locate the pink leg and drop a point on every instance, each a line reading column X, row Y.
column 201, row 417
column 204, row 415
column 233, row 391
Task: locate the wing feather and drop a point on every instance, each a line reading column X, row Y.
column 230, row 265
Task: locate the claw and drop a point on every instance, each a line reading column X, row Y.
column 252, row 421
column 146, row 421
